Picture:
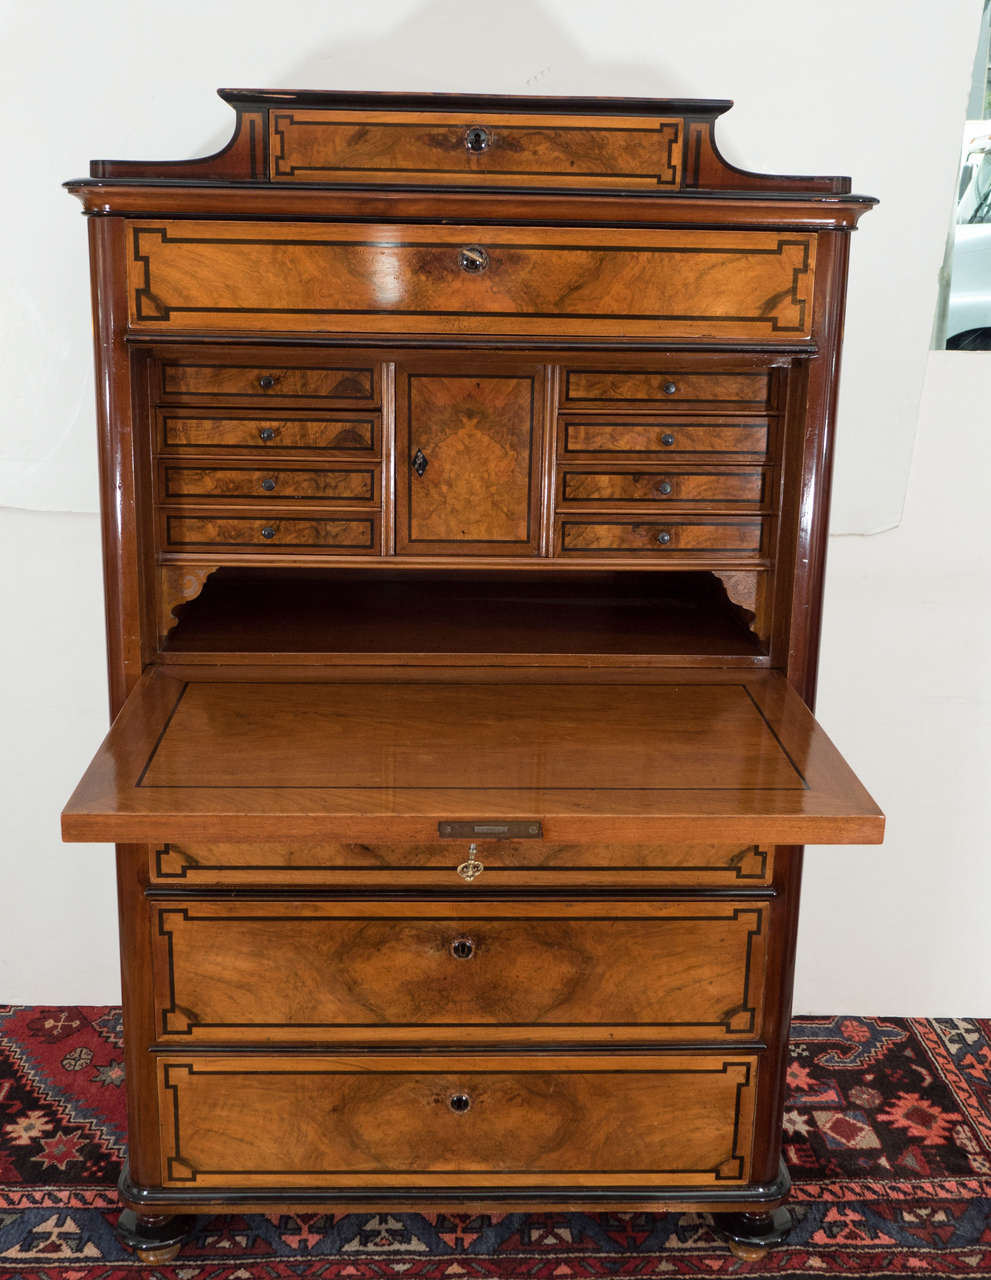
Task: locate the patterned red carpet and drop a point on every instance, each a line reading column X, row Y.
column 888, row 1133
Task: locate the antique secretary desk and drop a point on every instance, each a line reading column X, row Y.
column 465, row 469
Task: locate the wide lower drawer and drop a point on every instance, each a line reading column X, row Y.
column 501, row 864
column 336, row 484
column 436, row 1120
column 279, row 380
column 736, row 487
column 732, row 538
column 657, row 439
column 514, row 971
column 312, row 277
column 187, row 431
column 348, row 535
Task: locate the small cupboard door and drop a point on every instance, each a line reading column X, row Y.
column 468, row 458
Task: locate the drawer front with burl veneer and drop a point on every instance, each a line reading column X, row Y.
column 184, row 431
column 716, row 439
column 436, row 1121
column 489, row 149
column 309, row 277
column 347, row 535
column 500, row 864
column 719, row 490
column 730, row 539
column 315, row 484
column 512, row 971
column 667, row 390
column 216, row 377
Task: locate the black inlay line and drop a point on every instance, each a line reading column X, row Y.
column 161, row 735
column 773, row 732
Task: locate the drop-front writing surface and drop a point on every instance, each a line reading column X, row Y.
column 464, row 466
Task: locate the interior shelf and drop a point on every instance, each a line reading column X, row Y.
column 341, row 615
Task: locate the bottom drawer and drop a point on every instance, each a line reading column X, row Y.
column 520, row 1120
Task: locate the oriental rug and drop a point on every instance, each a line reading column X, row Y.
column 887, row 1134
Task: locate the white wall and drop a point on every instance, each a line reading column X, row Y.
column 875, row 88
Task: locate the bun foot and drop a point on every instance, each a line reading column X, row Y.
column 155, row 1238
column 750, row 1235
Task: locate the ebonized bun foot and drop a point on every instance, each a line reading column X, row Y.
column 155, row 1238
column 750, row 1235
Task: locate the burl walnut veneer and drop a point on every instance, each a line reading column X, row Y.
column 465, row 466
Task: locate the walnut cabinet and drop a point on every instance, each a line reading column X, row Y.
column 465, row 468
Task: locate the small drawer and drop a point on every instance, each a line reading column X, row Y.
column 337, row 433
column 328, row 484
column 492, row 149
column 730, row 538
column 499, row 864
column 666, row 388
column 736, row 487
column 728, row 439
column 275, row 381
column 347, row 535
column 453, row 1121
column 450, row 971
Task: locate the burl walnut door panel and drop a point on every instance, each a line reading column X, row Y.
column 437, row 1120
column 468, row 458
column 457, row 972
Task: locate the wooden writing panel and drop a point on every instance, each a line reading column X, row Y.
column 515, row 150
column 313, row 278
column 386, row 971
column 387, row 1121
column 691, row 755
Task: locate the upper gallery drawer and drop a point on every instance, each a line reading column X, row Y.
column 332, row 278
column 460, row 970
column 329, row 433
column 323, row 484
column 728, row 487
column 500, row 864
column 495, row 149
column 723, row 439
column 665, row 388
column 261, row 382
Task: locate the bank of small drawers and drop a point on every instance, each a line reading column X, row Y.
column 217, row 420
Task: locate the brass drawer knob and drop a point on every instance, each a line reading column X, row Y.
column 473, row 259
column 670, row 388
column 664, row 488
column 664, row 537
column 266, row 434
column 268, row 532
column 268, row 484
column 459, row 1102
column 266, row 382
column 462, row 948
column 667, row 439
column 477, row 139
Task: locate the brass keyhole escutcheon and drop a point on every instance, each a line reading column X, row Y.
column 462, row 948
column 471, row 868
column 459, row 1102
column 477, row 139
column 473, row 259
